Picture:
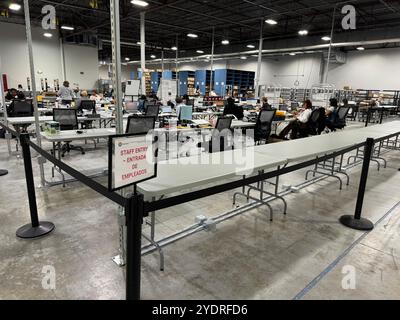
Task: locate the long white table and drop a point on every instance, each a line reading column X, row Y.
column 173, row 177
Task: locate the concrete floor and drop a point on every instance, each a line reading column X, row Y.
column 299, row 256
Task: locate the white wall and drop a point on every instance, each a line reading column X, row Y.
column 370, row 69
column 47, row 58
column 81, row 65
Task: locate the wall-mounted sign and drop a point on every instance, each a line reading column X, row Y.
column 132, row 159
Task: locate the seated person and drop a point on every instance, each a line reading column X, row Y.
column 13, row 94
column 170, row 104
column 331, row 113
column 265, row 104
column 84, row 97
column 301, row 120
column 232, row 109
column 186, row 99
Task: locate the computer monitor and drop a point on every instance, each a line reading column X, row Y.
column 186, row 113
column 167, row 109
column 132, row 107
column 152, row 110
column 20, row 108
column 140, row 124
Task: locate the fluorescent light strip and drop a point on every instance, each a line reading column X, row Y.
column 14, row 7
column 271, row 22
column 47, row 35
column 192, row 35
column 225, row 42
column 67, row 28
column 140, row 3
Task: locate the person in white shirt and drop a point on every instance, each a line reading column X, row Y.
column 66, row 94
column 301, row 121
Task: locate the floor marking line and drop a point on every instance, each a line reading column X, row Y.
column 328, row 269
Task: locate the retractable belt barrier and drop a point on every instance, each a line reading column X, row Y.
column 136, row 208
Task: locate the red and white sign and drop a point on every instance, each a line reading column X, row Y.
column 133, row 161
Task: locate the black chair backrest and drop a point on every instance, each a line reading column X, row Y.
column 315, row 116
column 21, row 108
column 263, row 127
column 67, row 118
column 152, row 110
column 88, row 105
column 342, row 113
column 140, row 124
column 224, row 123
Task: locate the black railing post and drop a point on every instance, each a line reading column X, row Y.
column 357, row 222
column 36, row 228
column 368, row 117
column 3, row 172
column 134, row 212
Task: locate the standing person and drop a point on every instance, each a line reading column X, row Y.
column 66, row 94
column 301, row 120
column 142, row 104
column 232, row 109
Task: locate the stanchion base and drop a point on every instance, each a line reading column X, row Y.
column 29, row 232
column 3, row 172
column 361, row 224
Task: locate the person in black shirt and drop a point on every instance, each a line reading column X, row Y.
column 13, row 94
column 232, row 109
column 265, row 104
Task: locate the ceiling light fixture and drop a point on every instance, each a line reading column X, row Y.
column 200, row 51
column 303, row 32
column 292, row 54
column 174, row 48
column 360, row 48
column 140, row 3
column 47, row 35
column 14, row 7
column 67, row 28
column 192, row 35
column 153, row 56
column 326, row 38
column 243, row 58
column 251, row 46
column 225, row 42
column 271, row 22
column 127, row 59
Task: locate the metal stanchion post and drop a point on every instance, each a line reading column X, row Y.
column 357, row 222
column 134, row 211
column 36, row 228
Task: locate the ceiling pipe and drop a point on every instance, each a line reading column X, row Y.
column 314, row 48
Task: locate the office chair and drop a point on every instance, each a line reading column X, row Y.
column 263, row 126
column 340, row 120
column 315, row 125
column 140, row 125
column 152, row 110
column 68, row 120
column 220, row 137
column 88, row 105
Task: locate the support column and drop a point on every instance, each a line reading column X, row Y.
column 330, row 47
column 34, row 93
column 212, row 60
column 143, row 51
column 176, row 67
column 260, row 49
column 116, row 64
column 63, row 70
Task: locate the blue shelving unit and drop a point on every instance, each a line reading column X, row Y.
column 169, row 75
column 202, row 81
column 187, row 82
column 155, row 80
column 239, row 80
